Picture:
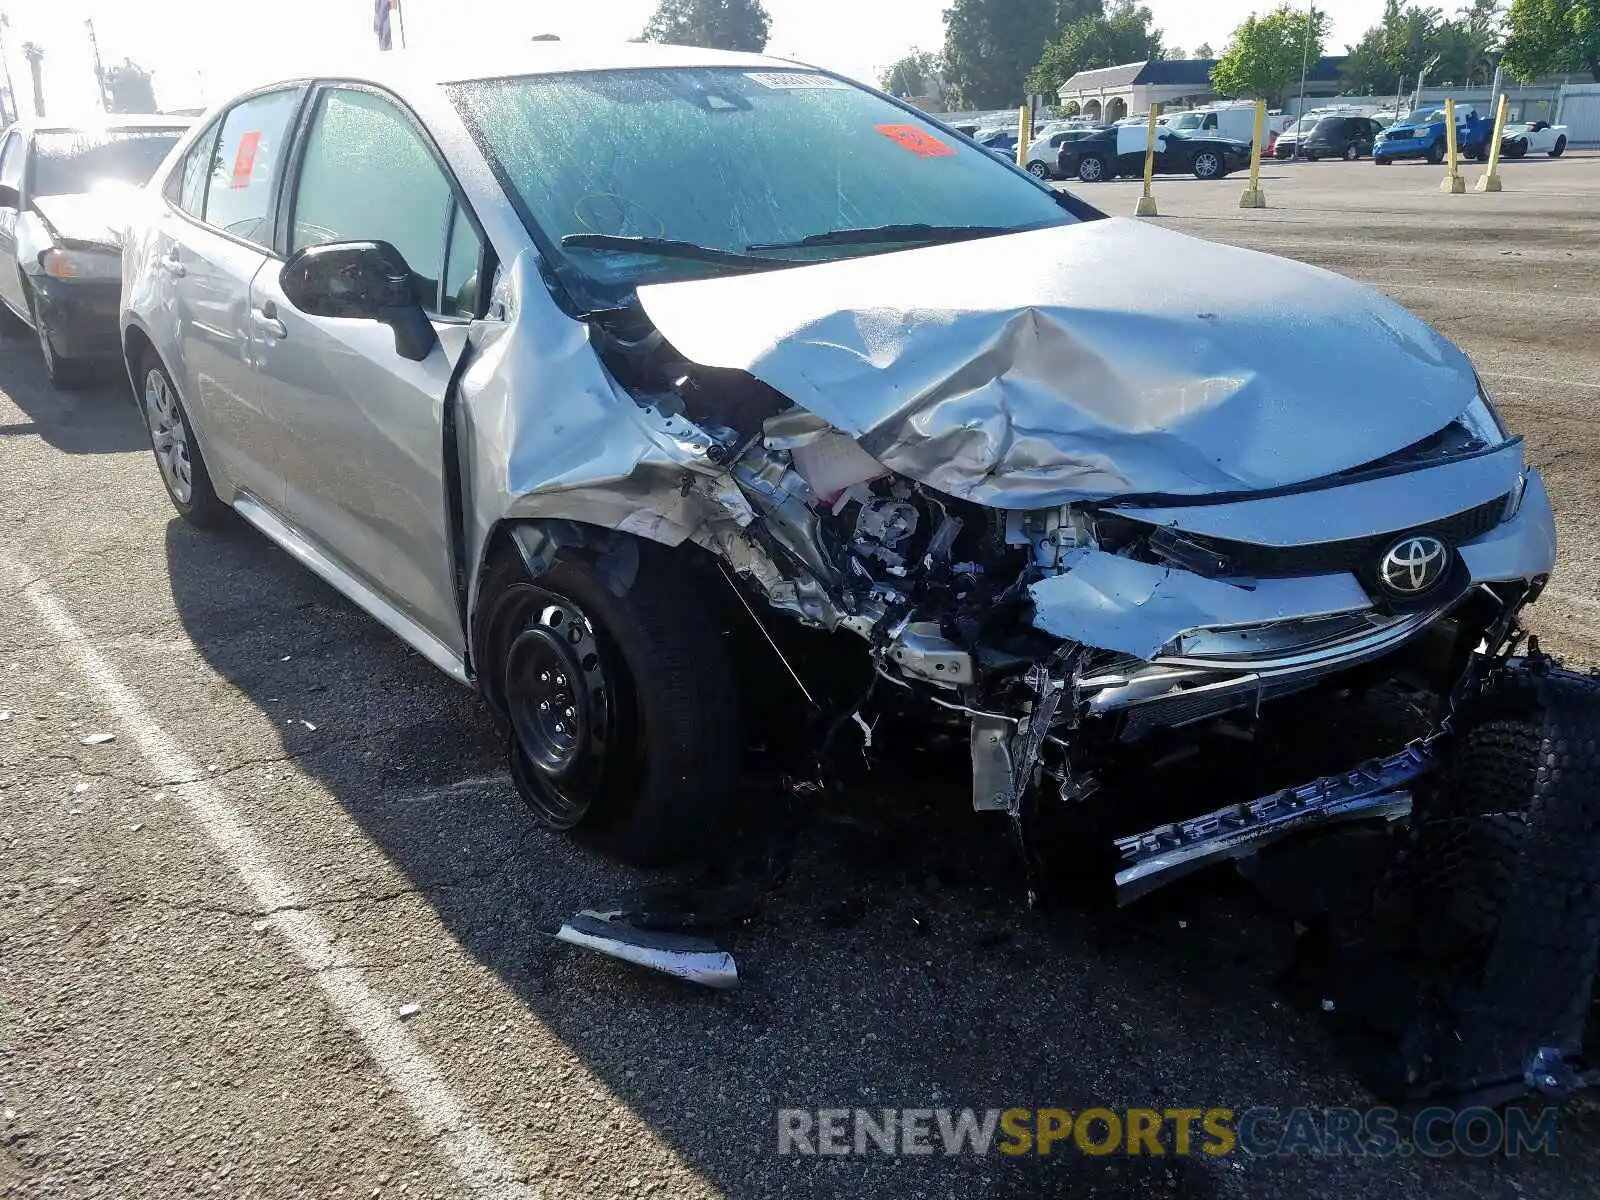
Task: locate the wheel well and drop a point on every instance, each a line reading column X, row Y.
column 135, row 345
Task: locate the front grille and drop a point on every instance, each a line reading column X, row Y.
column 1356, row 555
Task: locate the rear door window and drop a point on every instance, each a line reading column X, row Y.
column 244, row 169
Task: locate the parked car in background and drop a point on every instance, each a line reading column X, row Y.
column 1044, row 154
column 63, row 201
column 1107, row 153
column 1343, row 137
column 1424, row 135
column 1535, row 137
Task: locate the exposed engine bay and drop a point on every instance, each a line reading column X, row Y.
column 1063, row 635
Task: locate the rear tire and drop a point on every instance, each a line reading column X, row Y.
column 176, row 450
column 1560, row 147
column 621, row 711
column 1351, row 153
column 1039, row 171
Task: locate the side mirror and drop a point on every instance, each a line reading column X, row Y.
column 9, row 196
column 363, row 281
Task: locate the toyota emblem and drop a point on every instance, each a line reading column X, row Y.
column 1413, row 565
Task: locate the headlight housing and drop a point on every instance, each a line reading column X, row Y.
column 80, row 264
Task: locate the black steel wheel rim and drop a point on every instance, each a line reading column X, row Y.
column 558, row 701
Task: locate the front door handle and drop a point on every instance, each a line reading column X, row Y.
column 267, row 321
column 173, row 265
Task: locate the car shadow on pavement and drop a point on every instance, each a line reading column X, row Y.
column 98, row 419
column 899, row 966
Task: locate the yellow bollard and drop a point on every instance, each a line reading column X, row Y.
column 1452, row 184
column 1024, row 136
column 1489, row 181
column 1147, row 202
column 1253, row 196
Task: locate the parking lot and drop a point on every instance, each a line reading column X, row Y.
column 286, row 933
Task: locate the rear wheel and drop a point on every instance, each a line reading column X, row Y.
column 1560, row 147
column 621, row 710
column 177, row 453
column 1091, row 168
column 1352, row 152
column 1038, row 170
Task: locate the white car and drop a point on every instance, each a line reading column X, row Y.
column 1536, row 137
column 1046, row 149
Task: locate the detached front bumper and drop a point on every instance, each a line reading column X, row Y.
column 80, row 315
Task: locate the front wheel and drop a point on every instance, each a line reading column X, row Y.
column 64, row 373
column 1091, row 168
column 617, row 696
column 1559, row 148
column 1208, row 165
column 1436, row 153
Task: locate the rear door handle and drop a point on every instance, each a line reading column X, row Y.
column 267, row 320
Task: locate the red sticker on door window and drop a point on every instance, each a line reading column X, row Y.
column 917, row 140
column 244, row 162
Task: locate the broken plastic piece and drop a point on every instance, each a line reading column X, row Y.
column 409, row 1010
column 697, row 960
column 98, row 739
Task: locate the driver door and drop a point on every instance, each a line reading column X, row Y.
column 363, row 428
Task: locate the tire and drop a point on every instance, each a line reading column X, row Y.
column 636, row 749
column 1310, row 157
column 1381, row 162
column 1518, row 149
column 1208, row 164
column 64, row 373
column 1352, row 152
column 1436, row 153
column 1092, row 169
column 176, row 450
column 1039, row 170
column 1560, row 147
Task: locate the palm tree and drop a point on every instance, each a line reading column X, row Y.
column 34, row 53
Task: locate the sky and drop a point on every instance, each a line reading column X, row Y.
column 198, row 47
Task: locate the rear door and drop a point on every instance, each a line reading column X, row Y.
column 13, row 152
column 362, row 427
column 210, row 247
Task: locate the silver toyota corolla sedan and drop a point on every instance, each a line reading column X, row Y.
column 542, row 361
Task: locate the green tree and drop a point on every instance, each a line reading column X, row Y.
column 1266, row 53
column 1124, row 33
column 914, row 74
column 991, row 45
column 1204, row 50
column 718, row 24
column 129, row 88
column 1545, row 36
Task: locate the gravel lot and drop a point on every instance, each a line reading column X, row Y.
column 210, row 925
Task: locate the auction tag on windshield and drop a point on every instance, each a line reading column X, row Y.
column 244, row 161
column 917, row 140
column 796, row 81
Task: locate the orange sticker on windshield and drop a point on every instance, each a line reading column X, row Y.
column 244, row 162
column 917, row 140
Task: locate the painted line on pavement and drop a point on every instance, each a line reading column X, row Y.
column 483, row 1166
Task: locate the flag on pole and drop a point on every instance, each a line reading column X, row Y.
column 380, row 22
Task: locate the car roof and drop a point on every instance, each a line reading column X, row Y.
column 409, row 71
column 98, row 122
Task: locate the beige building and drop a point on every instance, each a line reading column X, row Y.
column 1111, row 93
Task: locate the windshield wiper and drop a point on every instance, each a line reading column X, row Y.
column 887, row 233
column 666, row 248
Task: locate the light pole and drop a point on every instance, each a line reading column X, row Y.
column 1305, row 63
column 1416, row 100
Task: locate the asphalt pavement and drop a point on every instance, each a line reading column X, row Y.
column 286, row 931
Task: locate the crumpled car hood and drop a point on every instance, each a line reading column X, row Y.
column 1078, row 362
column 96, row 218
